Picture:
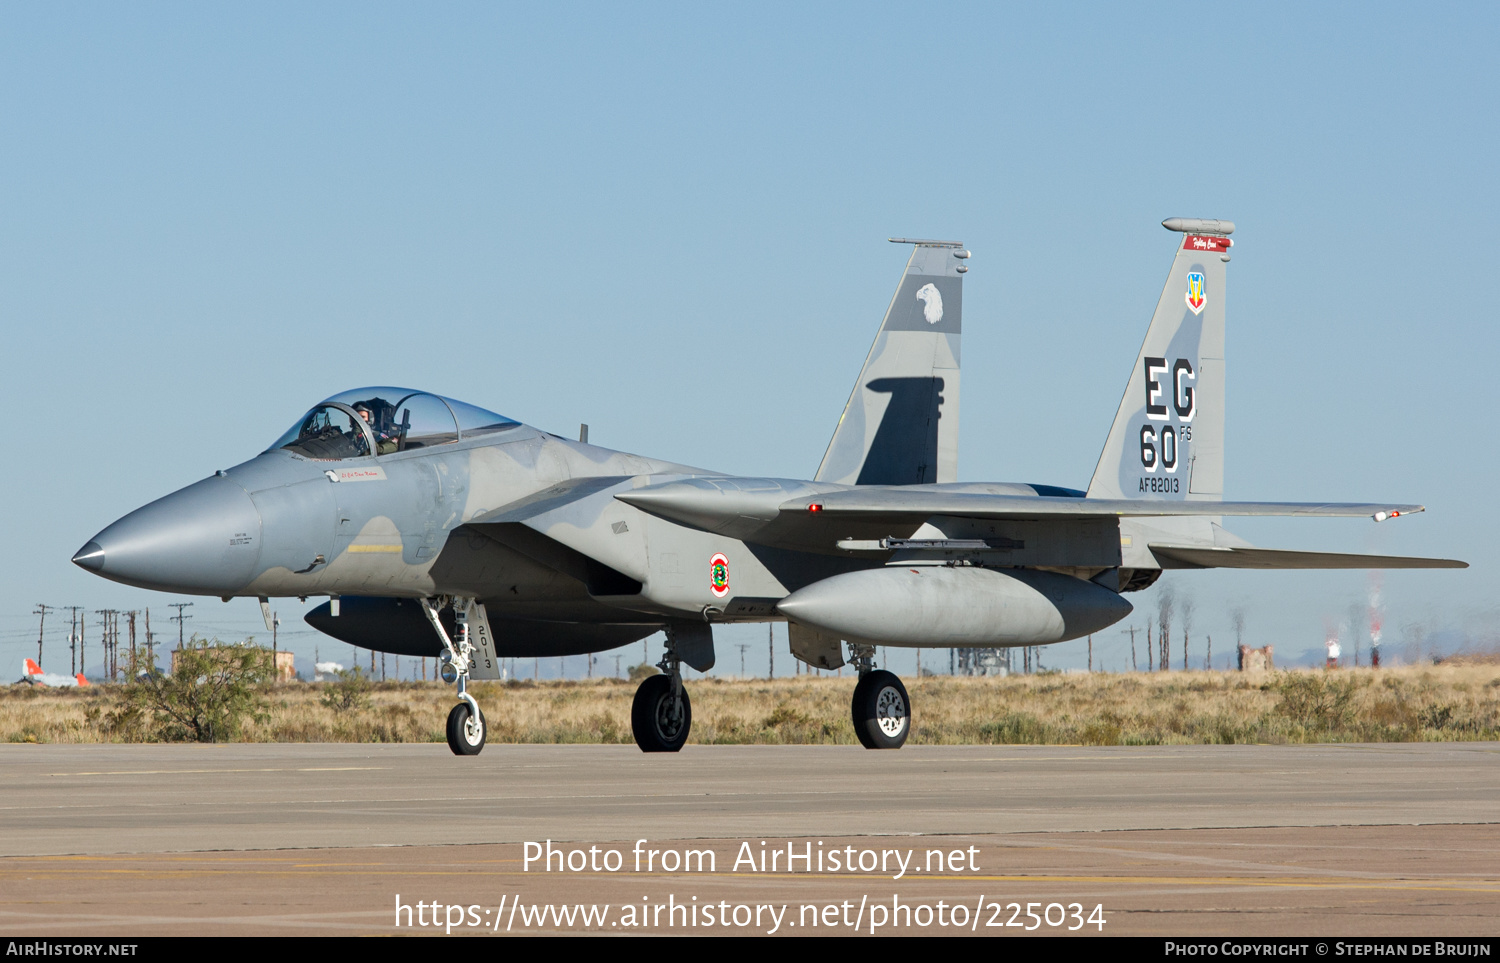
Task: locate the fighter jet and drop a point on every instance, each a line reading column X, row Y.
column 33, row 674
column 436, row 528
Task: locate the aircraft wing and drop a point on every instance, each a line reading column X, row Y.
column 822, row 518
column 907, row 502
column 744, row 507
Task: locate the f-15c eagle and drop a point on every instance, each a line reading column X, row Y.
column 436, row 528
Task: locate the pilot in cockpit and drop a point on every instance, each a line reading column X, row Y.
column 385, row 440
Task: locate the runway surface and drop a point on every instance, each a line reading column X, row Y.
column 1324, row 840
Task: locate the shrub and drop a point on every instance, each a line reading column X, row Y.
column 350, row 693
column 1317, row 700
column 639, row 672
column 208, row 696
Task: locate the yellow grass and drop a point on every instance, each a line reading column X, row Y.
column 1416, row 703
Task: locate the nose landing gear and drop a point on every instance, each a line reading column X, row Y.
column 466, row 729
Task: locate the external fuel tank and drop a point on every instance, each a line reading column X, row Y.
column 954, row 606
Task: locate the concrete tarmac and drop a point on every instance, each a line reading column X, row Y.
column 1258, row 840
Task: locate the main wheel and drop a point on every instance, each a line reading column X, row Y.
column 882, row 711
column 465, row 732
column 659, row 722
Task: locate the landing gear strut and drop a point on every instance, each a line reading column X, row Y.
column 466, row 726
column 662, row 715
column 881, row 709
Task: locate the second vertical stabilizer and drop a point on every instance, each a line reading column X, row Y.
column 900, row 426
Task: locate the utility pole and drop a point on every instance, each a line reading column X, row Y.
column 180, row 617
column 130, row 616
column 1134, row 665
column 73, row 640
column 41, row 610
column 104, row 615
column 742, row 647
column 771, row 648
column 1091, row 652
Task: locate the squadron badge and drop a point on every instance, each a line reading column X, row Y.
column 718, row 573
column 1194, row 295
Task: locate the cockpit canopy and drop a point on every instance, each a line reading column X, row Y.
column 383, row 421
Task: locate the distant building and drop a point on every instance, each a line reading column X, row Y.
column 1256, row 660
column 286, row 666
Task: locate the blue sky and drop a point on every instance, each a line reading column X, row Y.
column 668, row 221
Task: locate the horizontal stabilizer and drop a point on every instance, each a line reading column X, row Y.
column 1196, row 556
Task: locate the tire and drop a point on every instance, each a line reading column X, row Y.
column 464, row 739
column 652, row 721
column 881, row 710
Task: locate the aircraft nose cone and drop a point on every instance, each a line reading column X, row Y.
column 91, row 557
column 204, row 539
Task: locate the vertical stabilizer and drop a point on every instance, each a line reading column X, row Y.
column 1167, row 440
column 900, row 426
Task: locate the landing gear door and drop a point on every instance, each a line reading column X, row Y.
column 815, row 648
column 484, row 664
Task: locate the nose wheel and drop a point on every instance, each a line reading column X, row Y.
column 466, row 730
column 881, row 708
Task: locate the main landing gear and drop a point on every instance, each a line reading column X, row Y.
column 881, row 709
column 466, row 726
column 662, row 715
